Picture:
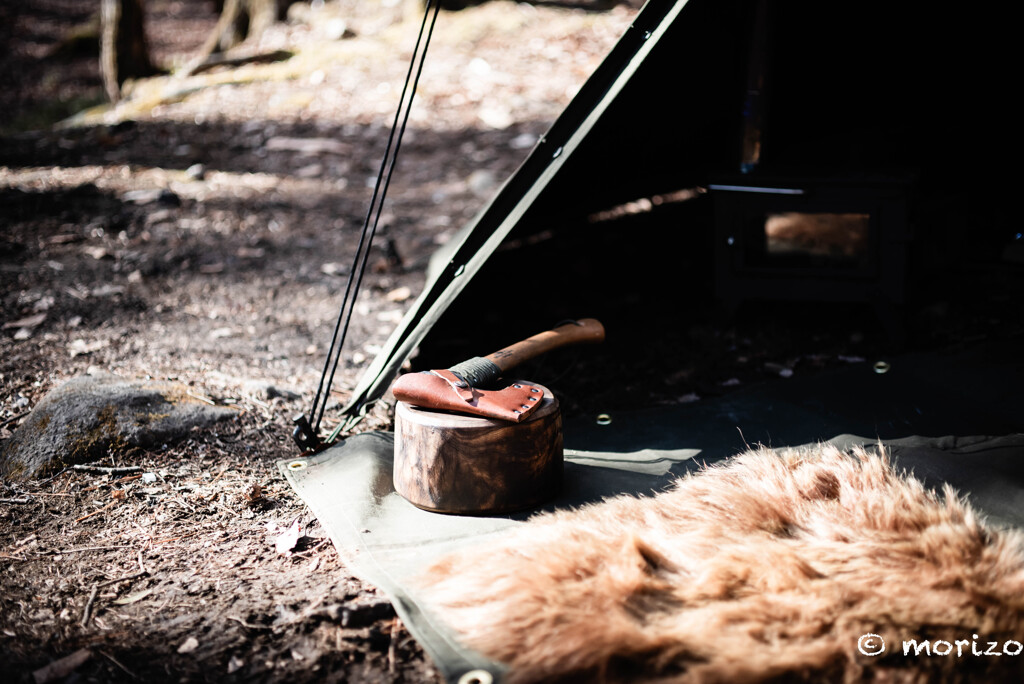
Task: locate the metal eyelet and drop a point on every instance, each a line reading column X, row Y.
column 477, row 677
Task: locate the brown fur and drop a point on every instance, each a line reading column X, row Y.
column 768, row 567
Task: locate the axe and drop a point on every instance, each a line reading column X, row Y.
column 462, row 387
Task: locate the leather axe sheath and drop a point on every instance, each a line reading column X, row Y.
column 462, row 387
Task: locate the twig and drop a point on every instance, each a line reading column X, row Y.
column 24, row 500
column 229, row 510
column 96, row 512
column 170, row 539
column 309, row 612
column 122, row 579
column 247, row 625
column 107, row 469
column 54, row 476
column 221, row 474
column 61, row 552
column 236, row 440
column 181, row 502
column 87, row 613
column 88, row 605
column 60, row 669
column 7, row 421
column 114, row 660
column 206, row 400
column 126, row 478
column 392, row 645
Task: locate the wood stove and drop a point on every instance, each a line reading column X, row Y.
column 831, row 239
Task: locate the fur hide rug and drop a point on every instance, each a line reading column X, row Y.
column 772, row 566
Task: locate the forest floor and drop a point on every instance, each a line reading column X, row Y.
column 201, row 231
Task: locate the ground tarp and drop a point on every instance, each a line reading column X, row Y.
column 947, row 417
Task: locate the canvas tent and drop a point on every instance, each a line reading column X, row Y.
column 853, row 93
column 856, row 95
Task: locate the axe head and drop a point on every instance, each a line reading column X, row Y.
column 442, row 390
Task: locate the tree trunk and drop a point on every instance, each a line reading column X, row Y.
column 244, row 19
column 239, row 21
column 262, row 14
column 124, row 51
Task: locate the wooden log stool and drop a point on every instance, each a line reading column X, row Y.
column 471, row 465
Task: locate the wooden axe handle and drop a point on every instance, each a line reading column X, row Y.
column 585, row 330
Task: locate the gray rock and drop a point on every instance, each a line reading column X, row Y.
column 90, row 417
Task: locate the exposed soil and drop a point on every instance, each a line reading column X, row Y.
column 228, row 276
column 202, row 231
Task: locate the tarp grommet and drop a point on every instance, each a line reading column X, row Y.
column 477, row 677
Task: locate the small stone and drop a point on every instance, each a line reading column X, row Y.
column 307, row 146
column 399, row 294
column 80, row 347
column 314, row 170
column 189, row 645
column 333, row 269
column 482, row 182
column 523, row 141
column 336, row 29
column 107, row 290
column 141, row 196
column 97, row 252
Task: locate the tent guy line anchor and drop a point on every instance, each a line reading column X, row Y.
column 307, row 428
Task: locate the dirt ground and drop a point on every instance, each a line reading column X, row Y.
column 202, row 232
